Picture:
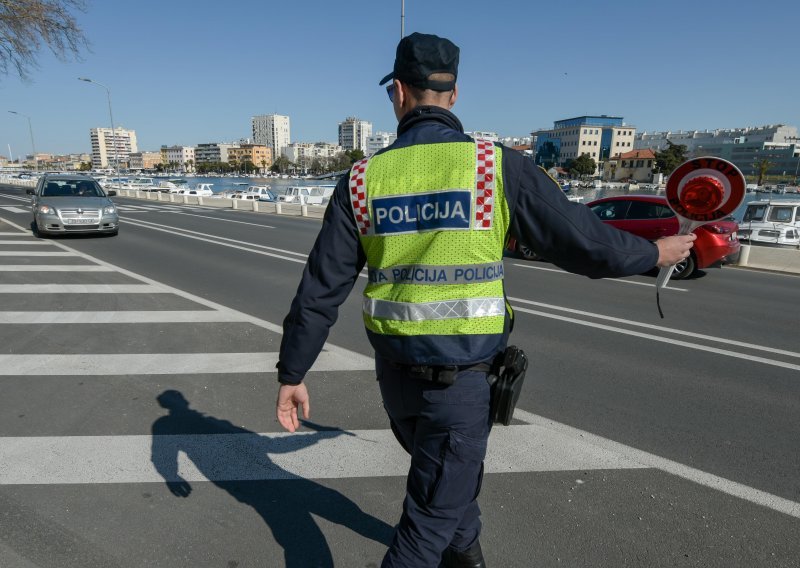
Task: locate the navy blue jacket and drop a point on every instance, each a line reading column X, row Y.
column 568, row 234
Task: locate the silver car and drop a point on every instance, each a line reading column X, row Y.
column 72, row 204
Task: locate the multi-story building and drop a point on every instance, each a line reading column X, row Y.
column 272, row 131
column 378, row 141
column 637, row 165
column 108, row 146
column 599, row 137
column 182, row 155
column 493, row 136
column 145, row 160
column 354, row 133
column 257, row 154
column 211, row 153
column 305, row 153
column 744, row 147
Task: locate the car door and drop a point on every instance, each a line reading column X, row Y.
column 649, row 220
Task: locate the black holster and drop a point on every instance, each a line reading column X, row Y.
column 505, row 379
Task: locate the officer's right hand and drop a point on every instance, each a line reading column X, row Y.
column 289, row 398
column 672, row 250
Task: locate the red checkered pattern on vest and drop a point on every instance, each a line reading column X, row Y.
column 358, row 195
column 484, row 184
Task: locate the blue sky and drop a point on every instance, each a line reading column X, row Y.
column 185, row 72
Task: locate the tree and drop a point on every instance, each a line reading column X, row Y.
column 355, row 155
column 583, row 165
column 281, row 165
column 189, row 165
column 672, row 157
column 28, row 25
column 85, row 167
column 762, row 166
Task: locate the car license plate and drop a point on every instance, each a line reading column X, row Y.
column 80, row 221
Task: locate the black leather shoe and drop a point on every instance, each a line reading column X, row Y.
column 469, row 558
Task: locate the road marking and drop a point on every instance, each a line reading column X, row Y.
column 53, row 268
column 713, row 338
column 15, row 234
column 673, row 342
column 34, row 253
column 243, row 245
column 125, row 316
column 646, row 459
column 80, row 289
column 329, row 454
column 28, row 243
column 164, row 363
column 620, row 280
column 13, row 209
column 218, row 218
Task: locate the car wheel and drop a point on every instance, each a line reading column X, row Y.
column 685, row 268
column 527, row 252
column 36, row 231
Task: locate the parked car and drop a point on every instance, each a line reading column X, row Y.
column 64, row 203
column 650, row 217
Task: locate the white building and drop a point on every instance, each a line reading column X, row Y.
column 108, row 147
column 486, row 135
column 354, row 133
column 184, row 156
column 273, row 131
column 692, row 139
column 378, row 141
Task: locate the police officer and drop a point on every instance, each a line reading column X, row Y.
column 429, row 216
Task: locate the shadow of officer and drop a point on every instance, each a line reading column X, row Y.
column 285, row 501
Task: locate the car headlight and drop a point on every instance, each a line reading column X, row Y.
column 46, row 209
column 110, row 210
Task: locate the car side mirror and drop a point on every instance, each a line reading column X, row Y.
column 30, row 191
column 112, row 193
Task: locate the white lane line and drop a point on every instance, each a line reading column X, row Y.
column 646, row 459
column 13, row 209
column 53, row 268
column 218, row 218
column 681, row 332
column 23, row 243
column 620, row 280
column 34, row 253
column 250, row 456
column 163, row 363
column 80, row 289
column 674, row 342
column 155, row 316
column 222, row 241
column 15, row 234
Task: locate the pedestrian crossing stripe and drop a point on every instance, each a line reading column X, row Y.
column 14, row 209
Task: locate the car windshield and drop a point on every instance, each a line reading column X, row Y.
column 72, row 188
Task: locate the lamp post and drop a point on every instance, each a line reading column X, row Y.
column 30, row 129
column 111, row 116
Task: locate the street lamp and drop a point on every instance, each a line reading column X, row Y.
column 111, row 116
column 30, row 129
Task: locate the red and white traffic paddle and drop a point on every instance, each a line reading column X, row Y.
column 700, row 191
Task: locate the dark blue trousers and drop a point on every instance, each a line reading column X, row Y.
column 445, row 429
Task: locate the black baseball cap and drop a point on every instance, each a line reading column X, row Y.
column 421, row 55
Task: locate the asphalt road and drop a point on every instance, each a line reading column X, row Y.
column 138, row 389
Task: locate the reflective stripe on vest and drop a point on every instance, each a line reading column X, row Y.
column 449, row 309
column 432, row 220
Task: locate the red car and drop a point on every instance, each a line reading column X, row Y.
column 650, row 217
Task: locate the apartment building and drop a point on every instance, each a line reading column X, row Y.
column 145, row 160
column 212, row 152
column 184, row 156
column 354, row 133
column 272, row 131
column 258, row 154
column 378, row 141
column 108, row 146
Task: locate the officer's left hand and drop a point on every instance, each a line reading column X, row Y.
column 289, row 398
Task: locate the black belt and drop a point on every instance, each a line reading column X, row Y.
column 444, row 374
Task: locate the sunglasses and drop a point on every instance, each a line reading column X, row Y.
column 390, row 91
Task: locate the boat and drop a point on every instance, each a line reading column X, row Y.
column 260, row 192
column 772, row 222
column 140, row 184
column 307, row 195
column 201, row 189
